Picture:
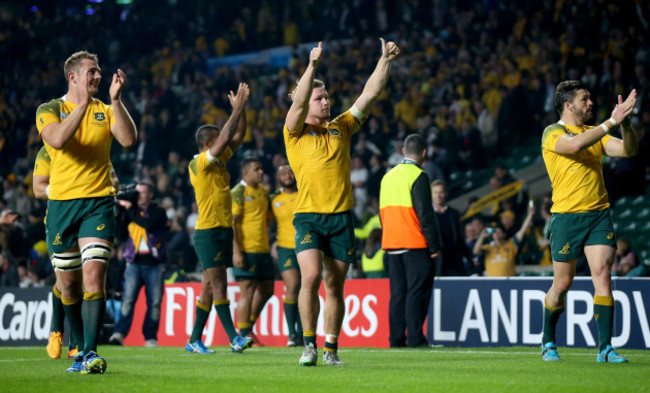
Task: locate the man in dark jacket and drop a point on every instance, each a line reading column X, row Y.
column 411, row 240
column 144, row 252
column 453, row 243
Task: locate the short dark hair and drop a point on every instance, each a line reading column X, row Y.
column 205, row 133
column 414, row 145
column 150, row 186
column 565, row 92
column 246, row 162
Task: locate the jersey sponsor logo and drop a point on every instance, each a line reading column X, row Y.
column 610, row 236
column 311, row 132
column 57, row 240
column 306, row 239
column 63, row 115
column 99, row 116
column 334, row 132
column 219, row 256
column 249, row 198
column 101, row 227
column 565, row 249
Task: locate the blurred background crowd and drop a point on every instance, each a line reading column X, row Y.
column 476, row 78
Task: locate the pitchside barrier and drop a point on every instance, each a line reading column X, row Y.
column 464, row 312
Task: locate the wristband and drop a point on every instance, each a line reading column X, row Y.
column 614, row 123
column 604, row 125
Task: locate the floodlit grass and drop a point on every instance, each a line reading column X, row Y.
column 131, row 369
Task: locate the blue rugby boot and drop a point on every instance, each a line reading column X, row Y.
column 197, row 347
column 93, row 364
column 77, row 364
column 240, row 343
column 549, row 352
column 609, row 355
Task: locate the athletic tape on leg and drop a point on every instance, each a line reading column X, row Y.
column 96, row 252
column 66, row 260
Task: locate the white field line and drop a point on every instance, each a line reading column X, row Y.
column 432, row 352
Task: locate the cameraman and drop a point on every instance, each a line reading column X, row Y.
column 144, row 251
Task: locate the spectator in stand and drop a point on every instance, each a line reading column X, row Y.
column 500, row 254
column 372, row 260
column 471, row 148
column 625, row 259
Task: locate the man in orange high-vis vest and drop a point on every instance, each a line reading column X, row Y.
column 411, row 239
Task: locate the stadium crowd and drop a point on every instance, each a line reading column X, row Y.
column 476, row 79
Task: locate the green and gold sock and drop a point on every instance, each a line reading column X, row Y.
column 58, row 314
column 72, row 310
column 604, row 315
column 310, row 337
column 244, row 328
column 223, row 311
column 202, row 314
column 551, row 316
column 331, row 347
column 92, row 314
column 291, row 313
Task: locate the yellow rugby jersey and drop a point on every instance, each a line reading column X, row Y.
column 320, row 159
column 81, row 169
column 42, row 163
column 500, row 260
column 283, row 205
column 577, row 179
column 211, row 184
column 252, row 204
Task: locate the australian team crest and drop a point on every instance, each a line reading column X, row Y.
column 99, row 116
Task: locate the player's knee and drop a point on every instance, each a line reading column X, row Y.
column 292, row 290
column 563, row 284
column 96, row 251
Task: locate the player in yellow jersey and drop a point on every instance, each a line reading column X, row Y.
column 41, row 183
column 319, row 154
column 213, row 231
column 283, row 249
column 253, row 267
column 581, row 220
column 78, row 131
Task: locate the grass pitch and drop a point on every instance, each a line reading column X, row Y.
column 519, row 369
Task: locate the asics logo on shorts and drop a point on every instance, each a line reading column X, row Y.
column 565, row 249
column 610, row 236
column 351, row 251
column 100, row 227
column 306, row 239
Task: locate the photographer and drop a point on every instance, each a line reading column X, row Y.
column 500, row 254
column 145, row 224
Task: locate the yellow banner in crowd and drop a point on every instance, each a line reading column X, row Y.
column 493, row 198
